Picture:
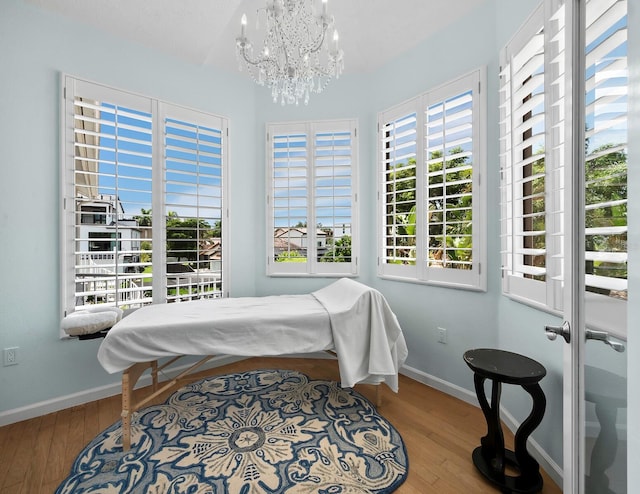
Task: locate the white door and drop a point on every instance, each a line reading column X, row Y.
column 595, row 250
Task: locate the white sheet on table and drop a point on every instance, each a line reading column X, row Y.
column 243, row 326
column 366, row 333
column 347, row 316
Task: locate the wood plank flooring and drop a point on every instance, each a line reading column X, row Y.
column 439, row 431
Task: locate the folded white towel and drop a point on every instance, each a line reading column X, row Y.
column 91, row 320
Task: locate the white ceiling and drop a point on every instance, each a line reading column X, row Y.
column 203, row 32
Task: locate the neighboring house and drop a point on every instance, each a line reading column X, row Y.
column 102, row 233
column 212, row 251
column 296, row 239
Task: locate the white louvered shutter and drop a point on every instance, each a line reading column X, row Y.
column 606, row 214
column 334, row 190
column 289, row 200
column 533, row 270
column 193, row 203
column 111, row 184
column 523, row 163
column 606, row 148
column 449, row 182
column 453, row 166
column 312, row 197
column 431, row 201
column 129, row 160
column 398, row 194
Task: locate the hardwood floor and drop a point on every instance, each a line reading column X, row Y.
column 439, row 431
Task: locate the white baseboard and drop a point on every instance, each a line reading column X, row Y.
column 60, row 403
column 546, row 462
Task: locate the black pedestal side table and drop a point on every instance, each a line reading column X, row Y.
column 491, row 458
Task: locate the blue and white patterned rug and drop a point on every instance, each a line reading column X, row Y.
column 264, row 431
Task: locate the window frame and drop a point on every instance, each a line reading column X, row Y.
column 419, row 272
column 537, row 293
column 312, row 267
column 159, row 111
column 602, row 312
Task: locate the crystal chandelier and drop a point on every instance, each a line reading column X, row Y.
column 296, row 59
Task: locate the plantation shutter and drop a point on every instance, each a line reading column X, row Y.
column 431, row 202
column 555, row 153
column 523, row 163
column 110, row 183
column 335, row 197
column 398, row 132
column 312, row 197
column 449, row 179
column 129, row 160
column 193, row 203
column 606, row 148
column 289, row 200
column 453, row 157
column 530, row 271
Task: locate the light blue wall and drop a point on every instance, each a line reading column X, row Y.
column 37, row 46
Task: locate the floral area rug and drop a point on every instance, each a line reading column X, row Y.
column 264, row 431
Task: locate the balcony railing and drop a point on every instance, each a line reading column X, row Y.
column 97, row 282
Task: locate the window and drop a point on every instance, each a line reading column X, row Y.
column 532, row 152
column 143, row 197
column 528, row 167
column 312, row 198
column 431, row 194
column 103, row 244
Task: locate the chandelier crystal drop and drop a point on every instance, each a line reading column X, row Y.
column 296, row 57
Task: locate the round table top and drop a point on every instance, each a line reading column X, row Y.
column 503, row 366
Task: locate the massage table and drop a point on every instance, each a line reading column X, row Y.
column 348, row 318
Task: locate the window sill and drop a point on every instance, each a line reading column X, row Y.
column 440, row 284
column 313, row 275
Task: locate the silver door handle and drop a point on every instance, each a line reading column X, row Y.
column 604, row 336
column 552, row 332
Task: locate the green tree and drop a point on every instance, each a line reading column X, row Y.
column 216, row 231
column 185, row 235
column 606, row 207
column 144, row 218
column 145, row 256
column 340, row 251
column 401, row 211
column 450, row 209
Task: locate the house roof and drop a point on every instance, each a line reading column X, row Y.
column 303, row 230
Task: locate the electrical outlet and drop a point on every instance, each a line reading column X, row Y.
column 11, row 356
column 442, row 335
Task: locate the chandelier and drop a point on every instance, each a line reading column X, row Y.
column 296, row 58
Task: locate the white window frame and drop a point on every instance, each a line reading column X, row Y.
column 419, row 271
column 602, row 312
column 537, row 293
column 159, row 110
column 312, row 267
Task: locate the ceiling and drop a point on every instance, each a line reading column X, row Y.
column 203, row 32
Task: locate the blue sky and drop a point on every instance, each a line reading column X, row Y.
column 193, row 160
